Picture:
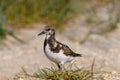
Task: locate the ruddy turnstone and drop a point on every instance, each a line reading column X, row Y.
column 55, row 51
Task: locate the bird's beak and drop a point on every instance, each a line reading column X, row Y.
column 43, row 32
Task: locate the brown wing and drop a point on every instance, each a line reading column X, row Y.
column 69, row 52
column 66, row 49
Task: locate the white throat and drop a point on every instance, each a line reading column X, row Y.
column 48, row 36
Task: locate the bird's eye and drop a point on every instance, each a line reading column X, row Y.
column 47, row 29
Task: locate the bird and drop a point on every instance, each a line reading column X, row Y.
column 56, row 51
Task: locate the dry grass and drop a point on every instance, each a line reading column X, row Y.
column 55, row 12
column 29, row 11
column 55, row 74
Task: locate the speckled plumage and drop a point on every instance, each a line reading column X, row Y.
column 56, row 51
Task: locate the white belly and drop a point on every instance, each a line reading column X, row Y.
column 57, row 57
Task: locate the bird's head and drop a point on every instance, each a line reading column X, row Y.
column 48, row 30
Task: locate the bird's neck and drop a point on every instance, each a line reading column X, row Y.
column 50, row 39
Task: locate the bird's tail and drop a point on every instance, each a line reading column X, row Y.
column 77, row 55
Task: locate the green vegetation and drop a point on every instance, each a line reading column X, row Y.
column 66, row 74
column 29, row 11
column 54, row 74
column 3, row 31
column 53, row 12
